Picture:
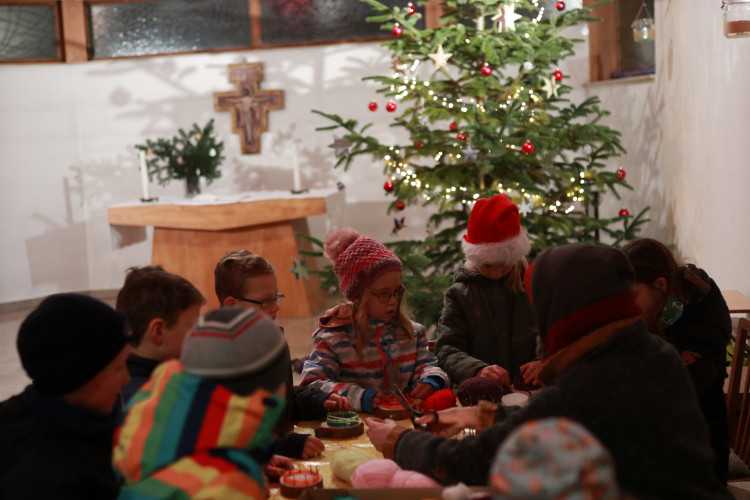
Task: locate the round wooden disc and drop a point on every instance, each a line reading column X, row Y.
column 393, row 413
column 326, row 431
column 292, row 491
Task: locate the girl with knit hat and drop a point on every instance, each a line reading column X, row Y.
column 367, row 344
column 487, row 326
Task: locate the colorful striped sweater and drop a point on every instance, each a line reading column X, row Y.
column 186, row 437
column 335, row 366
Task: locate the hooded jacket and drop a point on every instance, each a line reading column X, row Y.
column 186, row 436
column 483, row 323
column 50, row 449
column 604, row 370
column 335, row 366
column 701, row 336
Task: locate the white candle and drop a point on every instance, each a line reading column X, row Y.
column 295, row 168
column 144, row 176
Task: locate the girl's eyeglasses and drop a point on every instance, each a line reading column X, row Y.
column 385, row 297
column 265, row 304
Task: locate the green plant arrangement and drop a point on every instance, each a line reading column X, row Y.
column 188, row 155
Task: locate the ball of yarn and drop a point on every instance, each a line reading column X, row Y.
column 345, row 462
column 474, row 389
column 412, row 479
column 376, row 473
column 339, row 240
column 440, row 400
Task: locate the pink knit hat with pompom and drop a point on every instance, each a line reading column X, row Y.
column 358, row 260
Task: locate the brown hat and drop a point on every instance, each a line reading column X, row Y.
column 575, row 289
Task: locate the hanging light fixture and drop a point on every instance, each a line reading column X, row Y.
column 644, row 28
column 736, row 18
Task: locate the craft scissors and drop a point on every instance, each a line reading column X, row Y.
column 396, row 391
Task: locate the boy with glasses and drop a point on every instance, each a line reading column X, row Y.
column 245, row 279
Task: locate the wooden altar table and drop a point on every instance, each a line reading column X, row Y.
column 190, row 238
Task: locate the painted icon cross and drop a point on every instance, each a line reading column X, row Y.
column 248, row 104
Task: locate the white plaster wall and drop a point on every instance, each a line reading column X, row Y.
column 67, row 133
column 687, row 139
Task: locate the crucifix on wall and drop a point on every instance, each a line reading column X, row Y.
column 248, row 104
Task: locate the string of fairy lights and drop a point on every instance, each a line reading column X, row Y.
column 525, row 99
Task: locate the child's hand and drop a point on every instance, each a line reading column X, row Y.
column 422, row 390
column 336, row 402
column 377, row 399
column 276, row 467
column 495, row 372
column 313, row 447
column 530, row 371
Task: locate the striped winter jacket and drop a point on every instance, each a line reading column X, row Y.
column 335, row 366
column 186, row 437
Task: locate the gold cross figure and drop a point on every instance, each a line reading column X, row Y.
column 248, row 104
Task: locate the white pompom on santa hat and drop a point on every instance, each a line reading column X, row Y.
column 494, row 234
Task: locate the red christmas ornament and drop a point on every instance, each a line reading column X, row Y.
column 410, row 10
column 486, row 70
column 373, row 106
column 620, row 174
column 527, row 147
column 558, row 75
column 390, row 106
column 454, row 126
column 624, row 212
column 461, row 136
column 560, row 5
column 418, row 144
column 388, row 186
column 397, row 31
column 400, row 205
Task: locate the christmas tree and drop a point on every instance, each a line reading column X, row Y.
column 483, row 104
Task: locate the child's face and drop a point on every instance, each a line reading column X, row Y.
column 262, row 288
column 102, row 392
column 175, row 334
column 493, row 271
column 385, row 295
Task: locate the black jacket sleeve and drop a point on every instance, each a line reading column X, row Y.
column 308, row 403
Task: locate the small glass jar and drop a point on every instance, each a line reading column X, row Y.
column 736, row 18
column 644, row 29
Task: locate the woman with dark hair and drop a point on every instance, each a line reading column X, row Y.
column 682, row 304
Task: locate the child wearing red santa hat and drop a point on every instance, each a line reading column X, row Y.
column 487, row 328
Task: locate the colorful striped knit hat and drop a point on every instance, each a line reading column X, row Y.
column 243, row 349
column 494, row 234
column 358, row 260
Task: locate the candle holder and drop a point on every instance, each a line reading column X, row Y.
column 736, row 18
column 292, row 483
column 299, row 191
column 149, row 200
column 644, row 28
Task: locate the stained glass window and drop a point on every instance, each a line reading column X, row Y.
column 148, row 28
column 28, row 32
column 299, row 21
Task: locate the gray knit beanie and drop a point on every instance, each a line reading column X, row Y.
column 241, row 348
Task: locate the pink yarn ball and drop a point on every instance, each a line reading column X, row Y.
column 412, row 479
column 375, row 473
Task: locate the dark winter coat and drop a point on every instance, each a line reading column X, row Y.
column 140, row 370
column 483, row 323
column 51, row 450
column 629, row 389
column 701, row 335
